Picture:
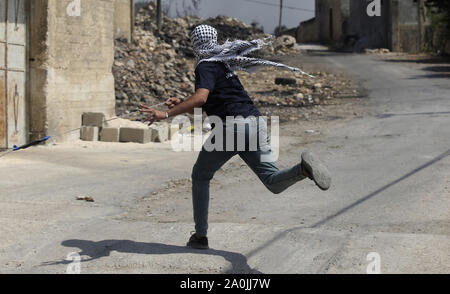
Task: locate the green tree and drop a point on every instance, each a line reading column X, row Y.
column 440, row 11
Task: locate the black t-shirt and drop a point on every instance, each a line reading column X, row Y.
column 227, row 96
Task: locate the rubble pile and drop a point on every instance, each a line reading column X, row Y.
column 149, row 72
column 284, row 45
column 175, row 31
column 377, row 51
column 299, row 90
column 158, row 65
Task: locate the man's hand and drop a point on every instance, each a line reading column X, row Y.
column 171, row 102
column 175, row 106
column 152, row 114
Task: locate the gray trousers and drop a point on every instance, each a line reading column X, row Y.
column 208, row 162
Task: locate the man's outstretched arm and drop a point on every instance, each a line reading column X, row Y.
column 198, row 99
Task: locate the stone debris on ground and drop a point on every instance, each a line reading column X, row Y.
column 377, row 51
column 85, row 198
column 285, row 44
column 297, row 90
column 158, row 65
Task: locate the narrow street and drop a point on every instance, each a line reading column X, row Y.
column 390, row 163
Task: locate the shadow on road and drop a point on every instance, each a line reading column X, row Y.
column 445, row 69
column 432, row 76
column 439, row 70
column 389, row 115
column 95, row 250
column 427, row 60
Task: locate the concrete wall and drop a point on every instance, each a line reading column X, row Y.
column 396, row 28
column 406, row 35
column 370, row 32
column 308, row 31
column 347, row 21
column 70, row 65
column 328, row 24
column 123, row 19
column 38, row 52
column 330, row 19
column 290, row 32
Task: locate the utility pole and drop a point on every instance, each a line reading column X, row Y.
column 420, row 25
column 281, row 17
column 158, row 14
column 132, row 11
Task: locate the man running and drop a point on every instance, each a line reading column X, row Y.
column 219, row 93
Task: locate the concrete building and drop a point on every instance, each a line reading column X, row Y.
column 399, row 26
column 55, row 63
column 329, row 24
column 308, row 31
column 332, row 17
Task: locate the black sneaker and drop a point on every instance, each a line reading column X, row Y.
column 316, row 170
column 198, row 242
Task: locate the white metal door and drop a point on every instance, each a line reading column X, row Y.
column 13, row 39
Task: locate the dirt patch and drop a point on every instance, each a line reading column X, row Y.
column 168, row 204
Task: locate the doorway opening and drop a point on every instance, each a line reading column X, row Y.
column 13, row 73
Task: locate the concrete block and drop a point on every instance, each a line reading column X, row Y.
column 135, row 135
column 110, row 134
column 160, row 132
column 93, row 119
column 89, row 133
column 173, row 129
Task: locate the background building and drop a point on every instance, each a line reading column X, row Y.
column 400, row 26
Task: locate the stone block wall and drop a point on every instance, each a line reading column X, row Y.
column 71, row 58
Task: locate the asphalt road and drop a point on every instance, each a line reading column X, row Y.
column 390, row 195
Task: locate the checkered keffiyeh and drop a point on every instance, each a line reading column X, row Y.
column 232, row 54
